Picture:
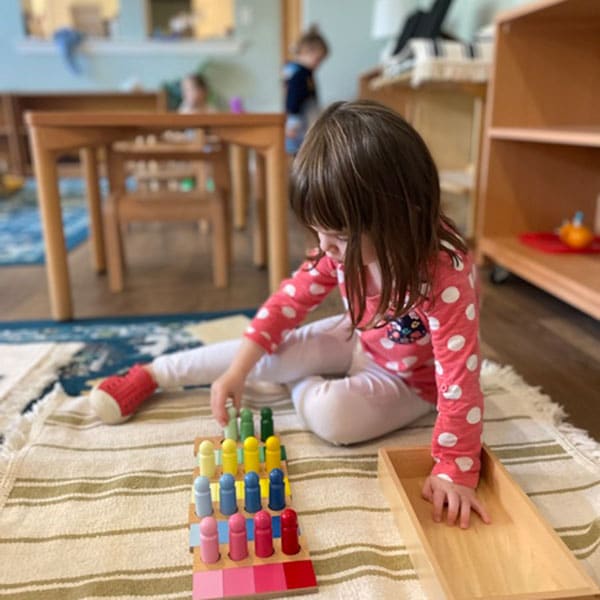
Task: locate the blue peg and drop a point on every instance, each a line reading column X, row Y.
column 202, row 497
column 251, row 492
column 227, row 500
column 276, row 490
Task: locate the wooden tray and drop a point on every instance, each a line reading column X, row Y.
column 518, row 557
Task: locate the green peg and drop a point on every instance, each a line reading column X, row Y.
column 266, row 423
column 231, row 429
column 246, row 424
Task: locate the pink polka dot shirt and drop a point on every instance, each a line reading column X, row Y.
column 434, row 348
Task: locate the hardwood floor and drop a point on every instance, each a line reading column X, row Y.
column 546, row 341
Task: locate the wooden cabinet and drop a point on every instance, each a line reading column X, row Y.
column 14, row 144
column 449, row 117
column 541, row 150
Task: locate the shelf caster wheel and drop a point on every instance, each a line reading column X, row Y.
column 499, row 275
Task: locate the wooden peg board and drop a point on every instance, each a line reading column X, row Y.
column 253, row 577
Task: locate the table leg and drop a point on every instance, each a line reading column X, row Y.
column 277, row 212
column 57, row 269
column 239, row 183
column 259, row 232
column 90, row 173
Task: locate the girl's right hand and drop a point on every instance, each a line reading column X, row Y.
column 229, row 385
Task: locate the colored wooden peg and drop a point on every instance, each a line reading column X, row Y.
column 202, row 498
column 206, row 459
column 238, row 538
column 289, row 532
column 231, row 429
column 227, row 499
column 252, row 501
column 246, row 424
column 251, row 457
column 209, row 540
column 266, row 423
column 272, row 453
column 263, row 534
column 276, row 490
column 229, row 457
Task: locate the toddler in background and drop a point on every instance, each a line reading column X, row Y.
column 301, row 101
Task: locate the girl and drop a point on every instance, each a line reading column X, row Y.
column 366, row 185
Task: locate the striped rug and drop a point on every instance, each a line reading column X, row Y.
column 92, row 511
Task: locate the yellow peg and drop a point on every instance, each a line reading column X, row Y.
column 206, row 459
column 272, row 453
column 251, row 460
column 229, row 456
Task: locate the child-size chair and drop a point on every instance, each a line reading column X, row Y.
column 199, row 204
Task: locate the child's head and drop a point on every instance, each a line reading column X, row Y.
column 194, row 90
column 311, row 49
column 364, row 172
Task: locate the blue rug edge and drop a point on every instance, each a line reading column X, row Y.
column 161, row 318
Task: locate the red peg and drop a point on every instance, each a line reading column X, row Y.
column 289, row 532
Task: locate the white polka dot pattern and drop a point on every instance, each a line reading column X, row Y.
column 445, row 477
column 464, row 463
column 470, row 312
column 472, row 362
column 474, row 415
column 289, row 312
column 409, row 361
column 456, row 343
column 450, row 295
column 386, row 343
column 452, row 393
column 263, row 313
column 315, row 289
column 446, row 439
column 290, row 290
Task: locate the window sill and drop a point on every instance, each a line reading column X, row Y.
column 100, row 47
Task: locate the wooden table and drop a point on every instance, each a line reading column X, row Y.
column 53, row 133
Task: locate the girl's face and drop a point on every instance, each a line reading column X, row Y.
column 334, row 244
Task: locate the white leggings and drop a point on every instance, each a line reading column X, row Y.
column 363, row 402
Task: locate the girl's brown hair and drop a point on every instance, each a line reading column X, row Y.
column 362, row 169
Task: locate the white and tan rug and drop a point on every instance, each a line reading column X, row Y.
column 91, row 511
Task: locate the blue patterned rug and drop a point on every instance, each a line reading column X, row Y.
column 110, row 345
column 21, row 241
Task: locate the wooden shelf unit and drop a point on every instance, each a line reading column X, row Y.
column 541, row 148
column 449, row 117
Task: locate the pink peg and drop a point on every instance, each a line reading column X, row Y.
column 238, row 539
column 209, row 540
column 289, row 532
column 263, row 534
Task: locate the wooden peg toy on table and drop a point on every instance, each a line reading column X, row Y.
column 244, row 533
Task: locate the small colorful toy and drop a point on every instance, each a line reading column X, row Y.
column 244, row 534
column 575, row 234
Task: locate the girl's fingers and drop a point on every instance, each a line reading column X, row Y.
column 453, row 507
column 426, row 491
column 465, row 512
column 480, row 509
column 438, row 504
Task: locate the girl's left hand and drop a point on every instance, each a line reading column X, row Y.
column 459, row 499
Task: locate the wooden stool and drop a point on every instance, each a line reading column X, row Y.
column 123, row 206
